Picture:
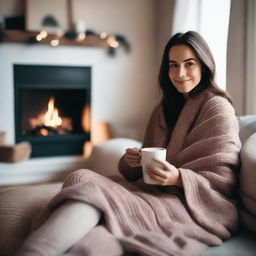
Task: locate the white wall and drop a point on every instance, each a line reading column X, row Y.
column 129, row 82
column 125, row 87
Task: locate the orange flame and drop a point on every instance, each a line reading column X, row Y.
column 51, row 117
column 86, row 118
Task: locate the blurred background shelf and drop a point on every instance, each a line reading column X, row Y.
column 21, row 36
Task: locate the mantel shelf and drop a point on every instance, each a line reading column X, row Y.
column 20, row 36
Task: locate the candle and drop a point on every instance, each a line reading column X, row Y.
column 80, row 26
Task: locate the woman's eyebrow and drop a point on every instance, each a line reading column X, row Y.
column 190, row 59
column 173, row 61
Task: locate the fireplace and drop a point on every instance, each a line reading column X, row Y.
column 52, row 108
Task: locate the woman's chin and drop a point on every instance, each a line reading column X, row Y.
column 183, row 91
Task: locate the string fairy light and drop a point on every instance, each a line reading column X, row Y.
column 103, row 35
column 55, row 42
column 43, row 34
column 81, row 37
column 112, row 41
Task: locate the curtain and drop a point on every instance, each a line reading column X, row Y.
column 211, row 19
column 186, row 16
column 241, row 57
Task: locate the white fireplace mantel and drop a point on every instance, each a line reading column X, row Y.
column 39, row 169
column 11, row 54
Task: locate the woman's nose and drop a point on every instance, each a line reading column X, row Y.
column 182, row 71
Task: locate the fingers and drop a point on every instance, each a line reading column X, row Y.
column 133, row 164
column 160, row 170
column 166, row 174
column 163, row 163
column 158, row 179
column 132, row 157
column 151, row 170
column 133, row 151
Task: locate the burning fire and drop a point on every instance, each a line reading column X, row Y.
column 51, row 117
column 50, row 122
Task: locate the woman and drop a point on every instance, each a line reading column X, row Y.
column 192, row 205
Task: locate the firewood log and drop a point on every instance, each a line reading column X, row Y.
column 2, row 136
column 15, row 153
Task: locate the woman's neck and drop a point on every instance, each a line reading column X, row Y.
column 185, row 95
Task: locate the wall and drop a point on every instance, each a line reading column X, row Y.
column 164, row 17
column 125, row 87
column 12, row 7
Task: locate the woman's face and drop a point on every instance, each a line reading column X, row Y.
column 185, row 69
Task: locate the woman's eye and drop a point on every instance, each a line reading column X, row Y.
column 189, row 64
column 173, row 65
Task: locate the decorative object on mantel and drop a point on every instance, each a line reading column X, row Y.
column 52, row 22
column 59, row 28
column 49, row 21
column 2, row 136
column 113, row 41
column 20, row 36
column 15, row 153
column 47, row 15
column 91, row 38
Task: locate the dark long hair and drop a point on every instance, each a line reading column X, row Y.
column 173, row 101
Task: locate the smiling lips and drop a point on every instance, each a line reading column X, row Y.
column 182, row 81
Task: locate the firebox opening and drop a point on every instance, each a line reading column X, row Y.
column 52, row 108
column 52, row 112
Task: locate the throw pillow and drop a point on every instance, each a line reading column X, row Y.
column 247, row 183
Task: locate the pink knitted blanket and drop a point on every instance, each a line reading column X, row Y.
column 163, row 221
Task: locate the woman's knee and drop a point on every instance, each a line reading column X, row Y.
column 83, row 210
column 78, row 176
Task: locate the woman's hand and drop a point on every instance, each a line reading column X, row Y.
column 132, row 157
column 166, row 175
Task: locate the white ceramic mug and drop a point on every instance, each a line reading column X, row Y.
column 146, row 159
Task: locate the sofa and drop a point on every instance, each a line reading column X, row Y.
column 18, row 205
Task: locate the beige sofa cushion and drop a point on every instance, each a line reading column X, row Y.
column 247, row 183
column 105, row 157
column 17, row 207
column 247, row 127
